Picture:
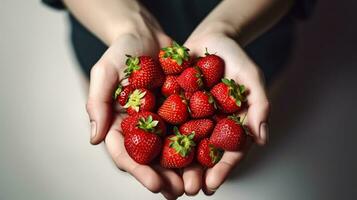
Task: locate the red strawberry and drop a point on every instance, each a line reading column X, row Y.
column 208, row 155
column 174, row 110
column 131, row 123
column 190, row 79
column 228, row 134
column 174, row 59
column 201, row 105
column 170, row 86
column 143, row 144
column 201, row 127
column 122, row 94
column 228, row 95
column 140, row 100
column 212, row 68
column 142, row 72
column 178, row 150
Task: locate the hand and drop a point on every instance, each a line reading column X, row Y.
column 244, row 71
column 105, row 121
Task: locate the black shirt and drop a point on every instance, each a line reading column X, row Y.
column 180, row 17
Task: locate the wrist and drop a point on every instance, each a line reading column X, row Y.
column 221, row 28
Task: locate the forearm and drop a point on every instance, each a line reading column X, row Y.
column 245, row 20
column 107, row 19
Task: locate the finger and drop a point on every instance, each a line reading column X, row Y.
column 163, row 39
column 216, row 175
column 258, row 104
column 103, row 80
column 144, row 174
column 173, row 184
column 192, row 178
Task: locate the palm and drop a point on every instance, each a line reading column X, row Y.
column 239, row 67
column 105, row 77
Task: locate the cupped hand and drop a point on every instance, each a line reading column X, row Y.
column 105, row 120
column 243, row 70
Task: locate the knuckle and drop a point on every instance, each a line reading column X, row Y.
column 90, row 106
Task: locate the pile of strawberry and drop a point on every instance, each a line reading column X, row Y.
column 180, row 109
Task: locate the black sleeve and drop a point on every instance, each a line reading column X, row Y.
column 302, row 9
column 57, row 4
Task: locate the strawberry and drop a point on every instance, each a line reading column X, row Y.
column 122, row 94
column 202, row 105
column 170, row 86
column 178, row 150
column 229, row 95
column 208, row 155
column 140, row 100
column 212, row 68
column 190, row 79
column 228, row 134
column 174, row 110
column 142, row 72
column 174, row 59
column 131, row 123
column 144, row 143
column 201, row 127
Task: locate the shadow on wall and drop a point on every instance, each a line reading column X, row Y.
column 324, row 51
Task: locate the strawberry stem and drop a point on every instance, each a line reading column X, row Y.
column 148, row 124
column 176, row 52
column 215, row 153
column 134, row 100
column 132, row 64
column 182, row 144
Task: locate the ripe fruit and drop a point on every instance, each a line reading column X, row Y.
column 140, row 100
column 228, row 95
column 212, row 68
column 178, row 150
column 190, row 79
column 208, row 155
column 174, row 110
column 174, row 59
column 228, row 134
column 142, row 72
column 143, row 144
column 170, row 86
column 201, row 105
column 202, row 128
column 122, row 94
column 131, row 123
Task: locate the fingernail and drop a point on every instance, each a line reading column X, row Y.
column 93, row 127
column 264, row 133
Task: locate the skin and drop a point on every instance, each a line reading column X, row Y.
column 128, row 28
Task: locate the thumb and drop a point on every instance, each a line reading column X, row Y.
column 103, row 80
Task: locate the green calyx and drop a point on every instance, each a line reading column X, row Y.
column 236, row 91
column 182, row 143
column 148, row 124
column 211, row 99
column 236, row 118
column 215, row 154
column 117, row 91
column 134, row 100
column 198, row 75
column 176, row 52
column 132, row 64
column 240, row 120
